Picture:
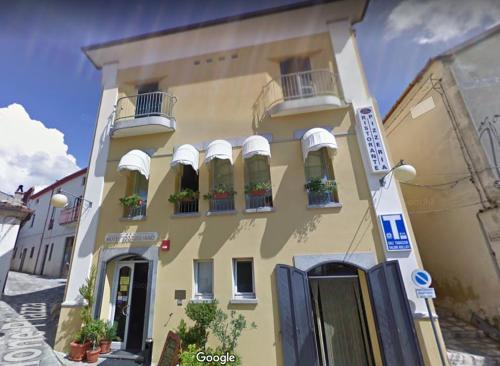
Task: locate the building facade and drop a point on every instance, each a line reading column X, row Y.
column 446, row 124
column 233, row 160
column 45, row 242
column 13, row 211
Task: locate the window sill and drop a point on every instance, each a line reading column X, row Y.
column 135, row 218
column 326, row 205
column 243, row 301
column 260, row 209
column 201, row 300
column 185, row 215
column 221, row 213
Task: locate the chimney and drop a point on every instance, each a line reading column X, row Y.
column 19, row 195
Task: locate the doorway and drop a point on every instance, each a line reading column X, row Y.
column 128, row 305
column 342, row 335
column 66, row 261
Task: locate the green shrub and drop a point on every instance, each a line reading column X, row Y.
column 188, row 357
column 202, row 314
column 228, row 329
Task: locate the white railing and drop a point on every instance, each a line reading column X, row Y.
column 294, row 86
column 144, row 105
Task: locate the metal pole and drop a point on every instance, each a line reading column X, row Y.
column 441, row 355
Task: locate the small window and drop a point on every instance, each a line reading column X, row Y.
column 203, row 279
column 51, row 221
column 50, row 252
column 137, row 185
column 14, row 253
column 84, row 180
column 37, row 201
column 32, row 220
column 32, row 252
column 258, row 191
column 243, row 278
column 320, row 180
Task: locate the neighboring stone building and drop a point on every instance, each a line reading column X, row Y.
column 312, row 247
column 447, row 124
column 45, row 243
column 13, row 211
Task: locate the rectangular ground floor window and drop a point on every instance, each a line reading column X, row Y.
column 203, row 279
column 243, row 278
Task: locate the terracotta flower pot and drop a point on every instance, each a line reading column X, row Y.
column 258, row 193
column 93, row 355
column 105, row 346
column 77, row 351
column 221, row 195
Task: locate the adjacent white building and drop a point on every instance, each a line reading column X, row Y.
column 45, row 241
column 12, row 213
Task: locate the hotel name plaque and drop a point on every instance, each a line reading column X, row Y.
column 130, row 237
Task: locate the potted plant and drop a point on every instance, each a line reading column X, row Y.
column 321, row 185
column 220, row 192
column 108, row 335
column 131, row 201
column 79, row 346
column 94, row 331
column 258, row 189
column 184, row 195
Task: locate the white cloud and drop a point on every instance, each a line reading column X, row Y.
column 30, row 153
column 433, row 21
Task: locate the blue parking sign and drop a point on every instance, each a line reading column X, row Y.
column 395, row 233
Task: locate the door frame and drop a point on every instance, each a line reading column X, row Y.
column 112, row 300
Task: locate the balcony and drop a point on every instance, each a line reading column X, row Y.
column 69, row 215
column 144, row 114
column 301, row 92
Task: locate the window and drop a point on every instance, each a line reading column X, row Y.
column 187, row 183
column 137, row 184
column 84, row 180
column 320, row 180
column 258, row 182
column 203, row 279
column 296, row 78
column 51, row 221
column 243, row 279
column 32, row 252
column 222, row 191
column 14, row 253
column 32, row 220
column 50, row 252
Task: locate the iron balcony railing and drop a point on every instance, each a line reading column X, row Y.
column 69, row 215
column 222, row 204
column 186, row 206
column 299, row 85
column 320, row 198
column 137, row 211
column 259, row 201
column 145, row 105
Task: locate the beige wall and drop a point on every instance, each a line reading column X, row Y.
column 452, row 244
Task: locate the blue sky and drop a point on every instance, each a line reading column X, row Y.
column 44, row 70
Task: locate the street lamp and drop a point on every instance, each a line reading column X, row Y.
column 60, row 200
column 402, row 171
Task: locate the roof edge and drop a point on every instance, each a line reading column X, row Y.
column 59, row 182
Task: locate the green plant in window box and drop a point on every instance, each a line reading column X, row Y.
column 220, row 191
column 186, row 194
column 131, row 201
column 258, row 189
column 321, row 185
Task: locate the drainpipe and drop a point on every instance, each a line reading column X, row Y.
column 43, row 234
column 485, row 233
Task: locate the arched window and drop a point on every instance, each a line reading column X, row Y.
column 320, row 179
column 137, row 193
column 185, row 198
column 258, row 182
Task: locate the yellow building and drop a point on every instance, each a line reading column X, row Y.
column 245, row 145
column 445, row 124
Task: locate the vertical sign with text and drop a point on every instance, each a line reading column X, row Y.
column 373, row 140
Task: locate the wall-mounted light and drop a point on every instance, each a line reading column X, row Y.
column 60, row 200
column 402, row 171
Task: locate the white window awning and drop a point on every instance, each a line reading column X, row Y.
column 219, row 149
column 256, row 145
column 186, row 155
column 317, row 138
column 135, row 160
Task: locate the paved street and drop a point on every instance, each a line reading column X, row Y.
column 28, row 319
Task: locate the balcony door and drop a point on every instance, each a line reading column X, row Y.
column 296, row 79
column 129, row 304
column 148, row 102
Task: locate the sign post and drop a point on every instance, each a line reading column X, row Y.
column 422, row 280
